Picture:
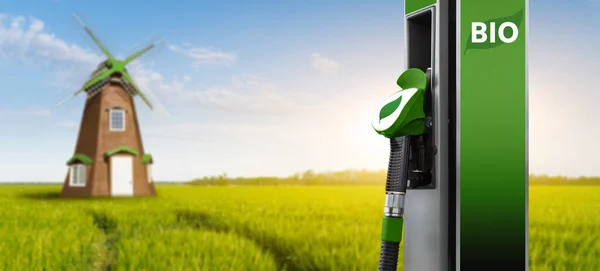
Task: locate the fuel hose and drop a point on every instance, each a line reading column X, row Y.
column 395, row 190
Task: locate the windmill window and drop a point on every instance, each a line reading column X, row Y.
column 117, row 120
column 77, row 175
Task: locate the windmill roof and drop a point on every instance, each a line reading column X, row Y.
column 147, row 158
column 80, row 158
column 121, row 149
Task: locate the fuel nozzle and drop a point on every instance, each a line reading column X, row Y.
column 400, row 118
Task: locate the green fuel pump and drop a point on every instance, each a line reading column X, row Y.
column 402, row 118
column 442, row 130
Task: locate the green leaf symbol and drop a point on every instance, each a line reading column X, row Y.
column 516, row 18
column 389, row 108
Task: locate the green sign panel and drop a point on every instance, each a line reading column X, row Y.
column 414, row 5
column 492, row 134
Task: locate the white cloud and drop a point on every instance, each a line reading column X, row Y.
column 67, row 123
column 296, row 128
column 201, row 55
column 324, row 64
column 246, row 94
column 29, row 111
column 25, row 39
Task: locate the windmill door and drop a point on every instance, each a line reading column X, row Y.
column 121, row 175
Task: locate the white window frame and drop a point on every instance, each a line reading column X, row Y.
column 76, row 179
column 149, row 172
column 110, row 120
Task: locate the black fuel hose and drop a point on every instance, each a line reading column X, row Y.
column 395, row 188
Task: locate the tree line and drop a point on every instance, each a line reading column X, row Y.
column 357, row 177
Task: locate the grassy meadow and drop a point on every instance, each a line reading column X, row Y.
column 235, row 224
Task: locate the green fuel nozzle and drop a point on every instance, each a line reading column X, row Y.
column 400, row 118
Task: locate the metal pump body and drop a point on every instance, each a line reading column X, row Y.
column 429, row 207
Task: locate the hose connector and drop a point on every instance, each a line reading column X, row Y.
column 394, row 204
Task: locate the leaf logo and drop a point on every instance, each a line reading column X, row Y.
column 389, row 108
column 516, row 18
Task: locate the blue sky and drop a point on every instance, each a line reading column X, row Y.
column 264, row 87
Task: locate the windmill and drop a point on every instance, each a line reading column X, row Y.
column 109, row 157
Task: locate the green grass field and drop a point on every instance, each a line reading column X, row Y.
column 253, row 228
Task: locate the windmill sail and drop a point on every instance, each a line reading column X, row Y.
column 113, row 70
column 136, row 89
column 96, row 40
column 141, row 52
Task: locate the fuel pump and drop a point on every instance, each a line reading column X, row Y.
column 421, row 186
column 402, row 118
column 447, row 125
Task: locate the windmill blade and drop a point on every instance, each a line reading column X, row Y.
column 69, row 98
column 137, row 89
column 151, row 39
column 93, row 81
column 96, row 40
column 158, row 103
column 141, row 52
column 144, row 98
